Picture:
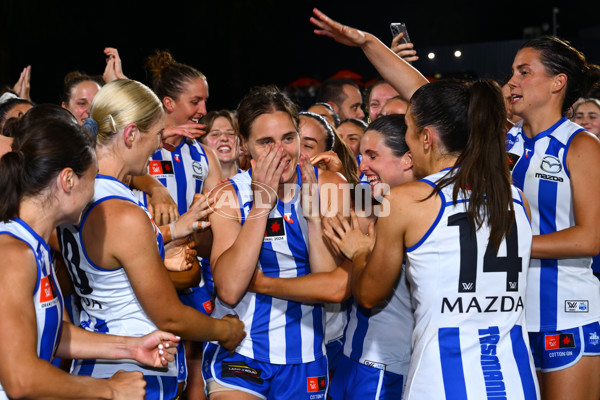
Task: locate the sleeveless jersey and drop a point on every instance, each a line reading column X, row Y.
column 207, row 278
column 561, row 294
column 470, row 339
column 362, row 178
column 47, row 298
column 381, row 337
column 278, row 331
column 336, row 318
column 182, row 172
column 109, row 304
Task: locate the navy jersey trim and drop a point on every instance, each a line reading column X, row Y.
column 567, row 147
column 80, row 230
column 433, row 226
column 240, row 204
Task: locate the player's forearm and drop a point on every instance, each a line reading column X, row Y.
column 568, row 243
column 393, row 69
column 234, row 268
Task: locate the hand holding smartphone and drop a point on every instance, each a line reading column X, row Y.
column 397, row 28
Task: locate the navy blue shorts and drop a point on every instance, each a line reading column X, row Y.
column 308, row 381
column 334, row 354
column 199, row 298
column 354, row 381
column 553, row 351
column 160, row 387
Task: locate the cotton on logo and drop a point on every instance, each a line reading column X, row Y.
column 46, row 290
column 315, row 384
column 552, row 342
column 155, row 168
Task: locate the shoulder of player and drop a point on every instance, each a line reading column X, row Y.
column 225, row 188
column 15, row 252
column 210, row 153
column 584, row 144
column 410, row 192
column 119, row 216
column 326, row 176
column 225, row 201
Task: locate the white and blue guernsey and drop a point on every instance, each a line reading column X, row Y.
column 182, row 172
column 561, row 294
column 278, row 331
column 109, row 304
column 470, row 340
column 47, row 297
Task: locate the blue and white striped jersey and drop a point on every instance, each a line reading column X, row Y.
column 278, row 331
column 182, row 172
column 561, row 294
column 381, row 337
column 109, row 304
column 47, row 297
column 470, row 339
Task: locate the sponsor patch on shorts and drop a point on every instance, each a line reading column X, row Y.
column 559, row 341
column 208, row 306
column 241, row 370
column 316, row 384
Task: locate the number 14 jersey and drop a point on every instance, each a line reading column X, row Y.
column 470, row 339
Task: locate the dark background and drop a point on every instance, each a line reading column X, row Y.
column 241, row 43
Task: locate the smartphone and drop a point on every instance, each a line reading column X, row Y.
column 397, row 28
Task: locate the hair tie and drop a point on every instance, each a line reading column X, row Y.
column 91, row 125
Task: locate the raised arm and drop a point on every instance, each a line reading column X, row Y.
column 113, row 69
column 404, row 50
column 23, row 85
column 393, row 69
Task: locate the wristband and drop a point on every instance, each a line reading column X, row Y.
column 197, row 225
column 172, row 228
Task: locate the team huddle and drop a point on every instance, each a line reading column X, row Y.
column 444, row 250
